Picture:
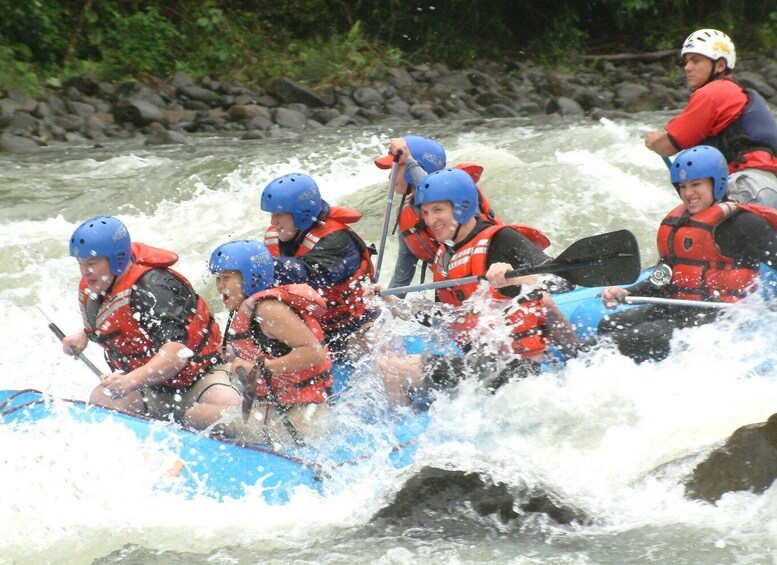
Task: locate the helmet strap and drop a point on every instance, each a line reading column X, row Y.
column 456, row 233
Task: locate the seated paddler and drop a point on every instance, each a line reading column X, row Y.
column 160, row 340
column 710, row 250
column 313, row 243
column 275, row 342
column 505, row 325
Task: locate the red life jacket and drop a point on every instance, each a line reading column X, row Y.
column 419, row 238
column 310, row 385
column 344, row 300
column 699, row 270
column 527, row 321
column 127, row 344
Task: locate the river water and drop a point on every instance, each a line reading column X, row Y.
column 606, row 439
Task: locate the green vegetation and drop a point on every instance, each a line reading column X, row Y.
column 342, row 41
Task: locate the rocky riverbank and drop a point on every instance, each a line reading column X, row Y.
column 86, row 110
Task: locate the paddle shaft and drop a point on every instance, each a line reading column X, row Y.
column 677, row 302
column 74, row 350
column 387, row 214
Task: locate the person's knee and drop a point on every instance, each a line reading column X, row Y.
column 220, row 394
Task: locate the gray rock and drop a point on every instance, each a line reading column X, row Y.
column 340, row 121
column 501, row 111
column 399, row 78
column 267, row 100
column 746, row 462
column 75, row 137
column 8, row 107
column 324, row 115
column 158, row 135
column 260, row 123
column 80, row 108
column 528, row 108
column 255, row 134
column 41, row 110
column 242, row 112
column 288, row 91
column 300, row 107
column 287, row 118
column 367, row 96
column 564, row 106
column 181, row 79
column 487, row 99
column 88, row 83
column 756, row 81
column 398, row 108
column 69, row 122
column 17, row 144
column 22, row 123
column 199, row 94
column 138, row 112
column 630, row 94
column 590, row 97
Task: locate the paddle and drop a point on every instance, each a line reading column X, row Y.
column 677, row 302
column 73, row 349
column 249, row 380
column 601, row 260
column 387, row 214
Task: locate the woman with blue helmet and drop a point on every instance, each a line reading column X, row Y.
column 312, row 243
column 160, row 341
column 273, row 334
column 419, row 156
column 473, row 246
column 710, row 249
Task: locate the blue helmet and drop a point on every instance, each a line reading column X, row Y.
column 453, row 185
column 103, row 236
column 701, row 162
column 427, row 152
column 294, row 194
column 251, row 258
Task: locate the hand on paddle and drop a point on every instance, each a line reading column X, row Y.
column 247, row 374
column 496, row 276
column 74, row 344
column 613, row 295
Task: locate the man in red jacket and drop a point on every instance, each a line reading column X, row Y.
column 722, row 114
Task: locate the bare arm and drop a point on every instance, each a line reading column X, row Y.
column 282, row 323
column 561, row 331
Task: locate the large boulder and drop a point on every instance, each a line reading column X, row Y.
column 287, row 91
column 746, row 462
column 17, row 144
column 138, row 112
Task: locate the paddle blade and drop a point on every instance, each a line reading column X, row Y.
column 601, row 260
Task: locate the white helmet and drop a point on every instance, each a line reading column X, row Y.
column 713, row 44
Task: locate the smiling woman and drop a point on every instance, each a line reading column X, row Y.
column 713, row 247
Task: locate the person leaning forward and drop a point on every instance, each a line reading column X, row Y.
column 724, row 115
column 473, row 246
column 159, row 337
column 276, row 346
column 313, row 244
column 710, row 249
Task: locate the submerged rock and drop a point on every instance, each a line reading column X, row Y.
column 746, row 462
column 451, row 492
